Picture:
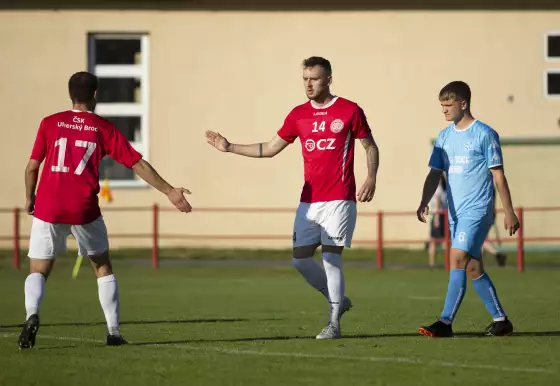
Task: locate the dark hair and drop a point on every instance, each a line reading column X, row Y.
column 457, row 90
column 82, row 86
column 318, row 61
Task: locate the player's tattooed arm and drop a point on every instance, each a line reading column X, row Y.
column 372, row 155
column 367, row 191
column 255, row 150
column 31, row 178
column 511, row 222
column 430, row 186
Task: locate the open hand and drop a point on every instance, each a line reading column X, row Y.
column 177, row 198
column 217, row 140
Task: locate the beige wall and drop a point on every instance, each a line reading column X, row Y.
column 238, row 72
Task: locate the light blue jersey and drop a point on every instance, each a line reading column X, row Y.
column 466, row 157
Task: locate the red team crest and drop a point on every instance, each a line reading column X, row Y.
column 327, row 137
column 336, row 126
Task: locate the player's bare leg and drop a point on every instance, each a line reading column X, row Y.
column 39, row 270
column 432, row 253
column 492, row 249
column 108, row 296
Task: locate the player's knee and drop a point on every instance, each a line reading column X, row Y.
column 475, row 269
column 332, row 249
column 42, row 266
column 304, row 252
column 101, row 264
column 458, row 259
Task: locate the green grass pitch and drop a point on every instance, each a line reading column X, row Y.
column 244, row 324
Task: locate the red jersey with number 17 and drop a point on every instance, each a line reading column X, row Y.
column 72, row 144
column 327, row 136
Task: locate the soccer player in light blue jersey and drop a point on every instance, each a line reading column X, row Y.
column 469, row 153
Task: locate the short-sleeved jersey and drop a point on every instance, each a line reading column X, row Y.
column 72, row 144
column 466, row 156
column 327, row 137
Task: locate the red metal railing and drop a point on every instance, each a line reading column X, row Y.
column 380, row 242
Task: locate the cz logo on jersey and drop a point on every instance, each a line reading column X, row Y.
column 322, row 144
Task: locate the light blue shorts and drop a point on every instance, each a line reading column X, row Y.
column 468, row 234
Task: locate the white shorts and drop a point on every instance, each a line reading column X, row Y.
column 48, row 240
column 325, row 223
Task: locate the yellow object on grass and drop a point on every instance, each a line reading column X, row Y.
column 77, row 267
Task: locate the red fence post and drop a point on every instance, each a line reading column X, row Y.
column 447, row 241
column 155, row 247
column 520, row 242
column 16, row 238
column 380, row 240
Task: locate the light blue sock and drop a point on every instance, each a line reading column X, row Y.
column 455, row 294
column 487, row 292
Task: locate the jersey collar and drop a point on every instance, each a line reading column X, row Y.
column 465, row 129
column 314, row 105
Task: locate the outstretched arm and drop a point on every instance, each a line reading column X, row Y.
column 144, row 170
column 430, row 186
column 255, row 150
column 366, row 192
column 511, row 222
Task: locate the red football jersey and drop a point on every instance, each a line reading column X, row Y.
column 73, row 143
column 327, row 140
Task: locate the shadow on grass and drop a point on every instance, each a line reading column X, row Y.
column 460, row 335
column 141, row 322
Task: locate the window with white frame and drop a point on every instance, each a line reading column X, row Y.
column 552, row 75
column 552, row 83
column 120, row 61
column 553, row 46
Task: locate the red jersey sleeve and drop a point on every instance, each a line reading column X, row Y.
column 39, row 151
column 288, row 132
column 119, row 149
column 360, row 126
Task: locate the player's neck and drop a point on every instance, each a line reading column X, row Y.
column 81, row 107
column 464, row 122
column 323, row 100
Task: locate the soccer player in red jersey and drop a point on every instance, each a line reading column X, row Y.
column 327, row 126
column 71, row 144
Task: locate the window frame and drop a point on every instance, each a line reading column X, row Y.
column 139, row 71
column 545, row 83
column 546, row 57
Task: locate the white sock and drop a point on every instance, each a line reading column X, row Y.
column 109, row 299
column 34, row 292
column 312, row 271
column 335, row 282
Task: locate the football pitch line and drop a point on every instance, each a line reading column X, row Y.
column 227, row 351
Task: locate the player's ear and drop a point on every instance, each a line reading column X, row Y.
column 464, row 105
